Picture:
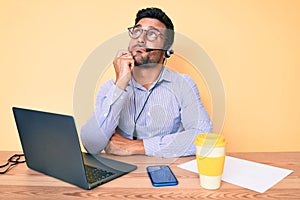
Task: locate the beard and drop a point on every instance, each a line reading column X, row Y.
column 140, row 60
column 147, row 61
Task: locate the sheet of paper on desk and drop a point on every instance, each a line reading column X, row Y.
column 247, row 174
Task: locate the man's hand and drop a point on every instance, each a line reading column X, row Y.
column 122, row 146
column 123, row 64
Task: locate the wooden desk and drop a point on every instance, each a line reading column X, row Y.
column 23, row 183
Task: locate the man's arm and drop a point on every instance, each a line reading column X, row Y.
column 95, row 134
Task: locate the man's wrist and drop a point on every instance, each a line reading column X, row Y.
column 139, row 147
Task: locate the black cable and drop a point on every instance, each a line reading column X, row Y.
column 11, row 162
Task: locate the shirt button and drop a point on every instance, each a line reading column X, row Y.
column 105, row 114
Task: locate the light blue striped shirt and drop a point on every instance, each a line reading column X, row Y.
column 170, row 120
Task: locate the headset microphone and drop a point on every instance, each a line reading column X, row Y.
column 167, row 52
column 148, row 50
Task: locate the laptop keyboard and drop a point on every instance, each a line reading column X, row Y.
column 94, row 174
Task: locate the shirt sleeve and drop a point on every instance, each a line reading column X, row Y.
column 194, row 120
column 95, row 134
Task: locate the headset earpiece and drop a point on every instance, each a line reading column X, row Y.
column 168, row 53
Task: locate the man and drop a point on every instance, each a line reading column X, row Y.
column 148, row 109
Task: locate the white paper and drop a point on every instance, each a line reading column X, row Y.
column 247, row 174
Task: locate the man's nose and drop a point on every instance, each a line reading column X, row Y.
column 142, row 37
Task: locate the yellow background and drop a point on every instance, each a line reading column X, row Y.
column 255, row 45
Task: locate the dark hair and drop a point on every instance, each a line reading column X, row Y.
column 158, row 14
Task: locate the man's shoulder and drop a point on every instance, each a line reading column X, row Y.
column 106, row 85
column 178, row 77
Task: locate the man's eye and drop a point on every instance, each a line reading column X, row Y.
column 153, row 34
column 136, row 31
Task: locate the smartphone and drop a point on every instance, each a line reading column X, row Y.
column 161, row 176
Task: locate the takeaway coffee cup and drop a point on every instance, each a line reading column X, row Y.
column 210, row 155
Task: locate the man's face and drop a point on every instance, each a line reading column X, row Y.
column 138, row 46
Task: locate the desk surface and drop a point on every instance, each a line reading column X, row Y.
column 24, row 183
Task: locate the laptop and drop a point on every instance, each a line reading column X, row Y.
column 51, row 146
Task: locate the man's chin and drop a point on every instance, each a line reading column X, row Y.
column 145, row 65
column 139, row 64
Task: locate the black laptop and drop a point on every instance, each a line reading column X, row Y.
column 51, row 146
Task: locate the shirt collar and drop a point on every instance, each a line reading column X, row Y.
column 166, row 75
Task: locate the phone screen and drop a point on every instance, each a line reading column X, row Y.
column 161, row 176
